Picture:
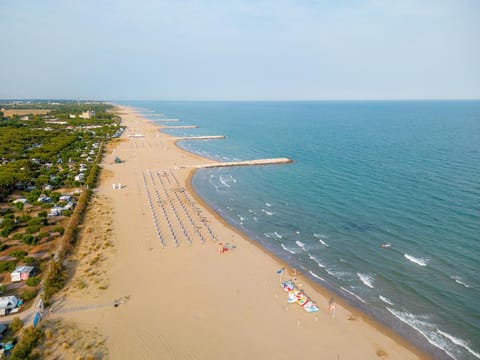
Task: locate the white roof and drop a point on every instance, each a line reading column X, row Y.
column 8, row 301
column 23, row 269
column 23, row 200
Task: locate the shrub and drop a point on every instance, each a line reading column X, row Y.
column 5, row 211
column 19, row 205
column 16, row 325
column 18, row 254
column 25, row 218
column 30, row 261
column 9, row 215
column 33, row 281
column 29, row 339
column 58, row 229
column 28, row 294
column 6, row 231
column 33, row 195
column 17, row 236
column 32, row 229
column 54, row 281
column 55, row 196
column 29, row 239
column 3, row 246
column 42, row 214
column 67, row 212
column 43, row 234
column 35, row 222
column 7, row 266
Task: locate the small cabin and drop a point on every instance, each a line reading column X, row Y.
column 21, row 273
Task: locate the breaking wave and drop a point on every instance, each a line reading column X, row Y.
column 287, row 249
column 353, row 294
column 316, row 276
column 316, row 260
column 418, row 261
column 366, row 279
column 460, row 281
column 386, row 300
column 300, row 245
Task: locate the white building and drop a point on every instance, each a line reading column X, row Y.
column 21, row 273
column 87, row 114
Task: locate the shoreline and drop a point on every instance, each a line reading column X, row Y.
column 325, row 292
column 204, row 305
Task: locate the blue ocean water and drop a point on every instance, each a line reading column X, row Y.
column 365, row 174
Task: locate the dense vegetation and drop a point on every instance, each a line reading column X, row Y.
column 47, row 162
column 35, row 152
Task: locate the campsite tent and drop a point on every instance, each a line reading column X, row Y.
column 7, row 303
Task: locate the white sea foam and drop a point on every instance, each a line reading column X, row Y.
column 211, row 182
column 316, row 276
column 366, row 279
column 338, row 274
column 269, row 213
column 251, row 211
column 268, row 235
column 300, row 244
column 277, row 235
column 330, row 272
column 386, row 300
column 316, row 260
column 320, row 238
column 428, row 330
column 287, row 249
column 298, row 232
column 255, row 218
column 267, row 204
column 459, row 342
column 418, row 261
column 241, row 218
column 460, row 281
column 353, row 294
column 222, row 180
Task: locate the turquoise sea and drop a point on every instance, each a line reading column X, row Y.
column 404, row 173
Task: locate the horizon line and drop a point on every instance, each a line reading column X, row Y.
column 242, row 100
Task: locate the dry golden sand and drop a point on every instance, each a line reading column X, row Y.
column 68, row 341
column 184, row 301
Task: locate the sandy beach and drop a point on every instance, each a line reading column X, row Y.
column 148, row 279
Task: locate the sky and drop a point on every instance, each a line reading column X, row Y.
column 240, row 50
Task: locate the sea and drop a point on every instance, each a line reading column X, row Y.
column 381, row 205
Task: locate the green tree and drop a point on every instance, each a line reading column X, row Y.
column 33, row 281
column 16, row 324
column 19, row 205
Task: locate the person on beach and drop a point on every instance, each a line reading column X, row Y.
column 331, row 307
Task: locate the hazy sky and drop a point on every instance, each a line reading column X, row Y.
column 222, row 49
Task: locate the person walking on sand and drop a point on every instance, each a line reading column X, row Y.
column 331, row 307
